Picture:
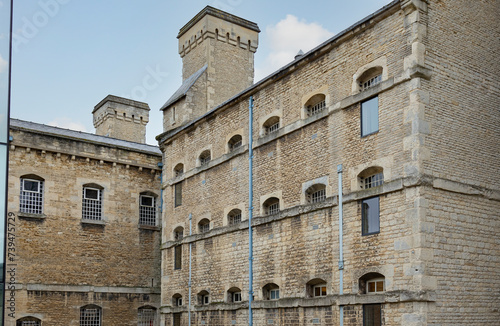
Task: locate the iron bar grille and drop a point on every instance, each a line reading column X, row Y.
column 273, row 208
column 373, row 180
column 90, row 317
column 30, row 323
column 315, row 109
column 92, row 204
column 147, row 317
column 273, row 128
column 204, row 227
column 234, row 218
column 147, row 211
column 364, row 85
column 318, row 196
column 31, row 199
column 235, row 145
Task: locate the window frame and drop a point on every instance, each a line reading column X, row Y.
column 92, row 322
column 234, row 143
column 367, row 218
column 372, row 314
column 234, row 216
column 178, row 257
column 178, row 194
column 204, row 225
column 31, row 202
column 271, row 206
column 368, row 113
column 205, row 157
column 28, row 321
column 147, row 214
column 322, row 290
column 92, row 207
column 145, row 320
column 376, row 282
column 316, row 193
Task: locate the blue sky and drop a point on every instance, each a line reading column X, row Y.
column 68, row 55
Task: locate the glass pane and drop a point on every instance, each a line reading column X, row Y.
column 146, row 201
column 371, row 287
column 369, row 116
column 370, row 215
column 380, row 286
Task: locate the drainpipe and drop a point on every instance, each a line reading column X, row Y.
column 250, row 211
column 341, row 249
column 160, row 165
column 189, row 282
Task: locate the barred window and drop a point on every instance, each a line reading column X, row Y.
column 271, row 291
column 235, row 142
column 147, row 210
column 31, row 197
column 316, row 288
column 234, row 216
column 205, row 157
column 372, row 314
column 92, row 203
column 90, row 316
column 204, row 225
column 234, row 295
column 315, row 104
column 370, row 78
column 146, row 316
column 271, row 206
column 316, row 193
column 371, row 177
column 178, row 233
column 271, row 125
column 28, row 321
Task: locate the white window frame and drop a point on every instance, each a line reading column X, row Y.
column 236, row 296
column 147, row 213
column 274, row 294
column 93, row 322
column 320, row 287
column 31, row 201
column 147, row 316
column 376, row 282
column 92, row 207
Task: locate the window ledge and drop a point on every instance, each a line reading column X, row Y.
column 93, row 222
column 148, row 227
column 32, row 216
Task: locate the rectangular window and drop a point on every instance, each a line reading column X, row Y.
column 92, row 204
column 373, row 180
column 315, row 109
column 274, row 208
column 177, row 257
column 31, row 197
column 236, row 218
column 274, row 294
column 364, row 85
column 178, row 194
column 320, row 290
column 318, row 196
column 272, row 128
column 90, row 317
column 370, row 216
column 372, row 315
column 177, row 319
column 146, row 317
column 369, row 116
column 236, row 296
column 147, row 210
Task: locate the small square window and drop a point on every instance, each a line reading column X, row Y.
column 320, row 290
column 274, row 294
column 236, row 296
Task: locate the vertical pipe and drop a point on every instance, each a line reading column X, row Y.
column 341, row 239
column 160, row 165
column 250, row 211
column 189, row 282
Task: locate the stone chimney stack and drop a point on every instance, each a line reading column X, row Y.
column 121, row 118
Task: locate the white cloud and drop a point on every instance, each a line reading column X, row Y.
column 286, row 38
column 3, row 64
column 66, row 123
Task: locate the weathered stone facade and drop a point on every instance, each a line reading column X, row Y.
column 60, row 262
column 433, row 249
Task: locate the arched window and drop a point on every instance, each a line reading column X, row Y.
column 147, row 316
column 234, row 143
column 371, row 177
column 316, row 193
column 234, row 216
column 92, row 202
column 203, row 298
column 271, row 125
column 179, row 233
column 90, row 315
column 234, row 294
column 205, row 157
column 370, row 78
column 204, row 225
column 271, row 291
column 147, row 209
column 316, row 288
column 178, row 170
column 371, row 283
column 177, row 300
column 315, row 104
column 271, row 206
column 31, row 197
column 28, row 321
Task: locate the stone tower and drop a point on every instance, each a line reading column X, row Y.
column 217, row 51
column 121, row 118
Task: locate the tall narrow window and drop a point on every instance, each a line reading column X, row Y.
column 369, row 116
column 147, row 210
column 31, row 197
column 177, row 319
column 178, row 194
column 372, row 315
column 92, row 203
column 370, row 216
column 90, row 316
column 178, row 257
column 146, row 316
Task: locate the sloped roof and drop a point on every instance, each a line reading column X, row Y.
column 82, row 136
column 186, row 85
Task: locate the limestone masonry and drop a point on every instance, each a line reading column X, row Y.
column 391, row 127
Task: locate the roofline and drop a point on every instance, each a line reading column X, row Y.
column 208, row 10
column 285, row 70
column 16, row 124
column 121, row 100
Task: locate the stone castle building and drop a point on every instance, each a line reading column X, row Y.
column 374, row 199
